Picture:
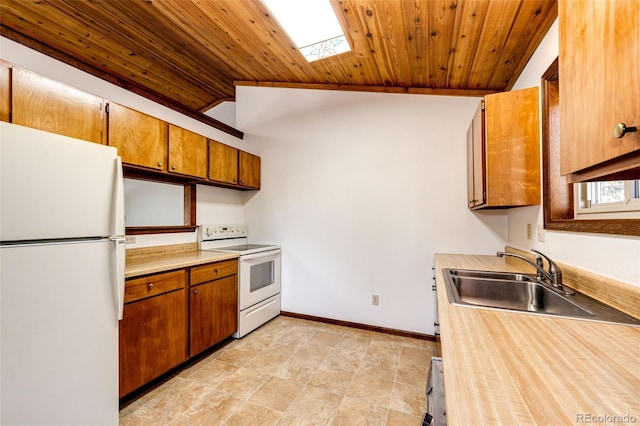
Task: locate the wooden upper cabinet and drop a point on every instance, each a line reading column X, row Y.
column 249, row 172
column 44, row 104
column 223, row 163
column 504, row 157
column 5, row 91
column 140, row 138
column 599, row 86
column 187, row 152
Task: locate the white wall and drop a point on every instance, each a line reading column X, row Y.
column 214, row 205
column 614, row 256
column 361, row 189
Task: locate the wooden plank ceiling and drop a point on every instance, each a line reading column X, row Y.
column 190, row 54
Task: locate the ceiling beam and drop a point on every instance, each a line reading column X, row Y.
column 376, row 89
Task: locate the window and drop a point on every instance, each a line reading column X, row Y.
column 312, row 25
column 606, row 199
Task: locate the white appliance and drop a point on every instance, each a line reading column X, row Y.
column 61, row 279
column 258, row 273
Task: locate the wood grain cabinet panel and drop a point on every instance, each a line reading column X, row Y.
column 140, row 138
column 5, row 91
column 223, row 163
column 213, row 313
column 249, row 170
column 153, row 338
column 503, row 161
column 153, row 285
column 187, row 152
column 213, row 271
column 48, row 105
column 213, row 302
column 600, row 86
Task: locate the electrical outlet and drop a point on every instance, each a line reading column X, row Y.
column 375, row 299
column 541, row 235
column 529, row 231
column 130, row 239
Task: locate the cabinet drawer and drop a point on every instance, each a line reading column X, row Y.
column 140, row 288
column 213, row 271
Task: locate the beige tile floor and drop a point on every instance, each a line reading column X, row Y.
column 296, row 372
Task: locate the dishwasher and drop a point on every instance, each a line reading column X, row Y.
column 436, row 414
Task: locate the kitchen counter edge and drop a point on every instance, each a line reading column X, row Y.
column 167, row 262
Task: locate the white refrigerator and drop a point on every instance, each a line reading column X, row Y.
column 61, row 279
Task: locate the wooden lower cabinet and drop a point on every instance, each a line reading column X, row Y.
column 153, row 338
column 214, row 313
column 163, row 325
column 213, row 302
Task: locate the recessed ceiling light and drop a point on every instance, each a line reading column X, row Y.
column 312, row 25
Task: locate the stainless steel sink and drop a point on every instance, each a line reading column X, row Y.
column 510, row 276
column 522, row 293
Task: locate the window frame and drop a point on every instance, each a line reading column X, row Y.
column 558, row 194
column 189, row 203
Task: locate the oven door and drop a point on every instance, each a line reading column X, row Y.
column 259, row 277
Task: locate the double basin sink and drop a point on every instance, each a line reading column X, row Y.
column 523, row 293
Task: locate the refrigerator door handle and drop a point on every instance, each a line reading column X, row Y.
column 120, row 265
column 119, row 200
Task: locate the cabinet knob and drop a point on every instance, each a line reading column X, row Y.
column 216, row 271
column 195, row 291
column 150, row 286
column 621, row 129
column 173, row 167
column 242, row 181
column 159, row 164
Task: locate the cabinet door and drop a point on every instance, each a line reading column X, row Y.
column 5, row 91
column 249, row 170
column 475, row 159
column 214, row 312
column 187, row 152
column 44, row 104
column 153, row 338
column 512, row 148
column 141, row 139
column 600, row 81
column 223, row 163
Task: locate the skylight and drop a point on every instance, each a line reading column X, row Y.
column 312, row 25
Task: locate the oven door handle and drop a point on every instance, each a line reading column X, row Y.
column 261, row 255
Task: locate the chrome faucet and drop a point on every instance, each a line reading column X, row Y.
column 554, row 276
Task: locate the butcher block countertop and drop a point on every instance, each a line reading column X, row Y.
column 151, row 260
column 510, row 368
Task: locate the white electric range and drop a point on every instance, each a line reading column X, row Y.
column 258, row 273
